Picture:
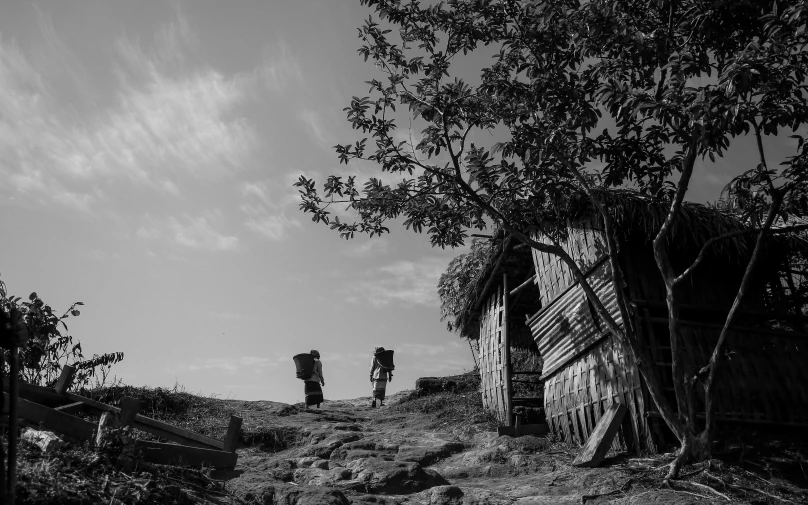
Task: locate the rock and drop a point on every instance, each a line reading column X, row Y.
column 319, row 477
column 375, row 475
column 347, row 427
column 426, row 455
column 312, row 461
column 446, row 495
column 47, row 441
column 324, row 449
column 285, row 494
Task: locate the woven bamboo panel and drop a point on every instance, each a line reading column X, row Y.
column 585, row 246
column 764, row 378
column 577, row 395
column 492, row 356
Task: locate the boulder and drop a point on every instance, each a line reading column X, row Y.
column 446, row 495
column 47, row 441
column 378, row 475
column 426, row 455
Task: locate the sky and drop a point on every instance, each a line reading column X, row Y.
column 147, row 156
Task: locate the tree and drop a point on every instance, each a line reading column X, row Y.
column 594, row 96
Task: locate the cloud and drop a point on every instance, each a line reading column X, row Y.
column 191, row 232
column 404, row 283
column 171, row 119
column 315, row 124
column 265, row 208
column 231, row 366
column 281, row 68
column 371, row 247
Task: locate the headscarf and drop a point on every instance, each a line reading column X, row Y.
column 378, row 350
column 315, row 353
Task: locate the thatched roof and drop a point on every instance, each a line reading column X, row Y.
column 634, row 216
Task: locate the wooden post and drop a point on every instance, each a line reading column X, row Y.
column 231, row 439
column 129, row 409
column 65, row 379
column 2, row 451
column 506, row 368
column 13, row 422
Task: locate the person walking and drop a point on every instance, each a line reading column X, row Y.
column 379, row 376
column 312, row 389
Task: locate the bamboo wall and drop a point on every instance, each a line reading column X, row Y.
column 492, row 356
column 585, row 246
column 577, row 395
column 763, row 379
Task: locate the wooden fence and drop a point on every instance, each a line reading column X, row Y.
column 50, row 408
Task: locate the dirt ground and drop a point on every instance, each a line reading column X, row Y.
column 411, row 452
column 438, row 449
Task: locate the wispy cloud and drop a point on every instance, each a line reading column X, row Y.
column 281, row 67
column 405, row 283
column 230, row 366
column 371, row 247
column 191, row 232
column 172, row 118
column 314, row 121
column 265, row 207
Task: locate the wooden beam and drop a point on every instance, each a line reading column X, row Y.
column 155, row 427
column 506, row 349
column 522, row 286
column 492, row 276
column 65, row 379
column 599, row 442
column 129, row 409
column 723, row 312
column 38, row 394
column 170, row 454
column 55, row 420
column 231, row 439
column 69, row 407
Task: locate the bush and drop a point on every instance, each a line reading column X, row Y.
column 47, row 349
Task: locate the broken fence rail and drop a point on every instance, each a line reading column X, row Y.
column 49, row 408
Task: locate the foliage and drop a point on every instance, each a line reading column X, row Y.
column 49, row 347
column 585, row 98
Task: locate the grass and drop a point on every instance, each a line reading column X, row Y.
column 461, row 407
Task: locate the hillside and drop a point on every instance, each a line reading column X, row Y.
column 435, row 449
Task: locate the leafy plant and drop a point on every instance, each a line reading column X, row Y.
column 50, row 346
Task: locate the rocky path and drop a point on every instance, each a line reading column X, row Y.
column 348, row 453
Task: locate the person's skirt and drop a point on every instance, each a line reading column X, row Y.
column 314, row 393
column 379, row 387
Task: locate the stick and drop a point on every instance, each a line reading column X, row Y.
column 750, row 488
column 703, row 486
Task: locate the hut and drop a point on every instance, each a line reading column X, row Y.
column 585, row 368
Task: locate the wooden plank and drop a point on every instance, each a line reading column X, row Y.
column 65, row 379
column 181, row 455
column 129, row 409
column 598, row 444
column 69, row 407
column 54, row 420
column 231, row 438
column 154, row 426
column 38, row 394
